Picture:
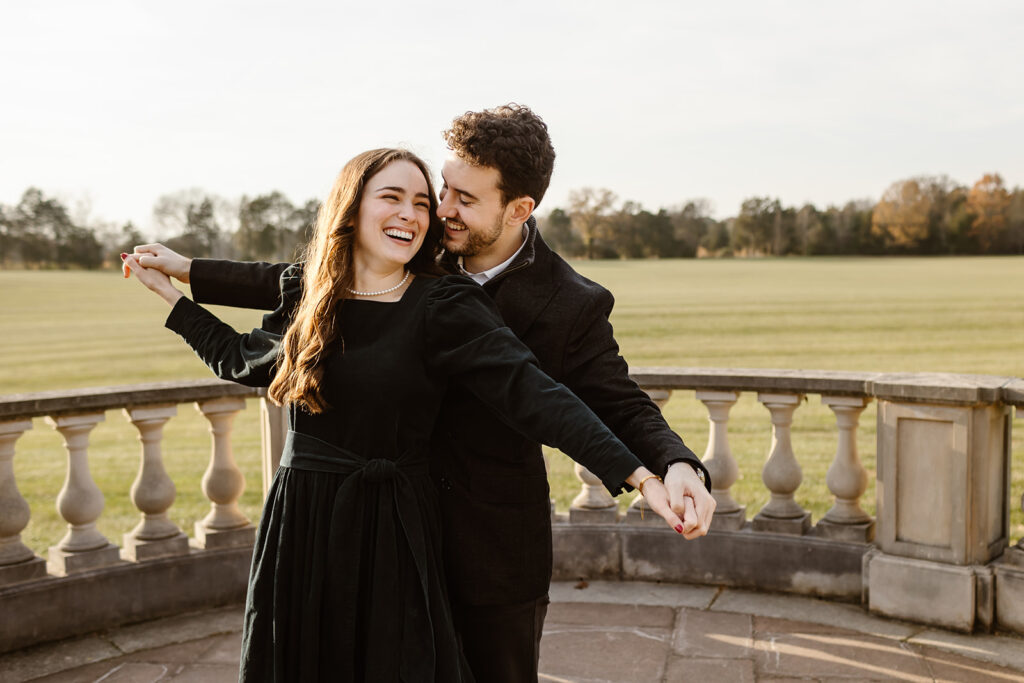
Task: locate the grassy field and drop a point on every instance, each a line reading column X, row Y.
column 965, row 315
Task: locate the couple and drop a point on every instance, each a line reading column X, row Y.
column 396, row 373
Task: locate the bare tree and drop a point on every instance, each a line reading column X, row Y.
column 589, row 210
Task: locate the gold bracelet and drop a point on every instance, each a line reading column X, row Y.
column 640, row 486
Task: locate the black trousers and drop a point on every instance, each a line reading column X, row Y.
column 502, row 642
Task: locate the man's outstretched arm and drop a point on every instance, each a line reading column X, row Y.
column 596, row 372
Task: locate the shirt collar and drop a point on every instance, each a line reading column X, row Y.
column 491, row 273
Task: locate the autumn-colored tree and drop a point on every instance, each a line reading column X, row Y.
column 901, row 217
column 988, row 201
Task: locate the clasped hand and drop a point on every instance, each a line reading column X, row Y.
column 155, row 280
column 682, row 501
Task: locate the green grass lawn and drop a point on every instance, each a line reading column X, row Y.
column 964, row 315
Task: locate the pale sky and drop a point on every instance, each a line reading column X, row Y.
column 117, row 103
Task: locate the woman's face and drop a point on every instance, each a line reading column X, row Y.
column 394, row 215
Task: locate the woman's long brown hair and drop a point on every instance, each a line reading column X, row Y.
column 328, row 276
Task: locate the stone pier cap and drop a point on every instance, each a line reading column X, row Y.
column 913, row 387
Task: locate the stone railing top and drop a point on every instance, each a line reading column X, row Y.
column 918, row 387
column 1013, row 393
column 754, row 379
column 940, row 387
column 70, row 401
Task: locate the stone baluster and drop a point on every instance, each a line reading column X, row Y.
column 80, row 503
column 782, row 474
column 718, row 458
column 638, row 510
column 223, row 482
column 17, row 561
column 274, row 422
column 1020, row 543
column 153, row 491
column 593, row 505
column 847, row 479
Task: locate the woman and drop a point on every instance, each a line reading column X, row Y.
column 346, row 581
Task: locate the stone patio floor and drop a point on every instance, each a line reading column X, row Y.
column 603, row 632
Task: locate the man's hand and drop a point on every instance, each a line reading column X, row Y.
column 165, row 260
column 689, row 499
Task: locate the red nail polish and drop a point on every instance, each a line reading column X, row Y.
column 679, row 528
column 124, row 256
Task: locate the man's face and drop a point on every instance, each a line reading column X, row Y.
column 471, row 207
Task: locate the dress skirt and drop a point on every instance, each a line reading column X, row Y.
column 346, row 581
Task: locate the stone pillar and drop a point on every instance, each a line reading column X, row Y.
column 153, row 491
column 718, row 458
column 639, row 512
column 80, row 503
column 943, row 498
column 274, row 421
column 223, row 482
column 847, row 479
column 782, row 474
column 593, row 505
column 1009, row 569
column 17, row 561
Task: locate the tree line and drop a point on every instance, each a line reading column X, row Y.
column 925, row 215
column 921, row 215
column 41, row 232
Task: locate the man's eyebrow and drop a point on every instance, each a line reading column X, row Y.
column 463, row 193
column 455, row 189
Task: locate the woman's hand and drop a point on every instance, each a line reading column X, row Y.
column 153, row 279
column 655, row 496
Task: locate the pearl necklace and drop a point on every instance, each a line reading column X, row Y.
column 383, row 291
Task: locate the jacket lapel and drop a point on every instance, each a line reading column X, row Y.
column 523, row 292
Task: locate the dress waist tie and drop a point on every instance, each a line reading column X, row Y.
column 376, row 508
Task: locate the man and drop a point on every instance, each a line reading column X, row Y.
column 492, row 480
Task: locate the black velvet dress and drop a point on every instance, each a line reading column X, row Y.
column 347, row 579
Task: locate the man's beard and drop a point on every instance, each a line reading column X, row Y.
column 476, row 241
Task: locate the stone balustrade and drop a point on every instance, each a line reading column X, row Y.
column 943, row 454
column 943, row 490
column 86, row 581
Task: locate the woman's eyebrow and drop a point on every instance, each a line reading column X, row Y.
column 400, row 190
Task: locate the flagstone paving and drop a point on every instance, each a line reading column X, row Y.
column 603, row 632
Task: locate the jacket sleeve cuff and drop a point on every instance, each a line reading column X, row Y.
column 697, row 466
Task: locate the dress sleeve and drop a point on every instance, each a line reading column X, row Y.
column 467, row 340
column 248, row 359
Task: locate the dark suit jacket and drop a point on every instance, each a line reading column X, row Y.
column 492, row 481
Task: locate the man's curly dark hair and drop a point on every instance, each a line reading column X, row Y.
column 512, row 139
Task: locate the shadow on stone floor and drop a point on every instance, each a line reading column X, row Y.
column 608, row 633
